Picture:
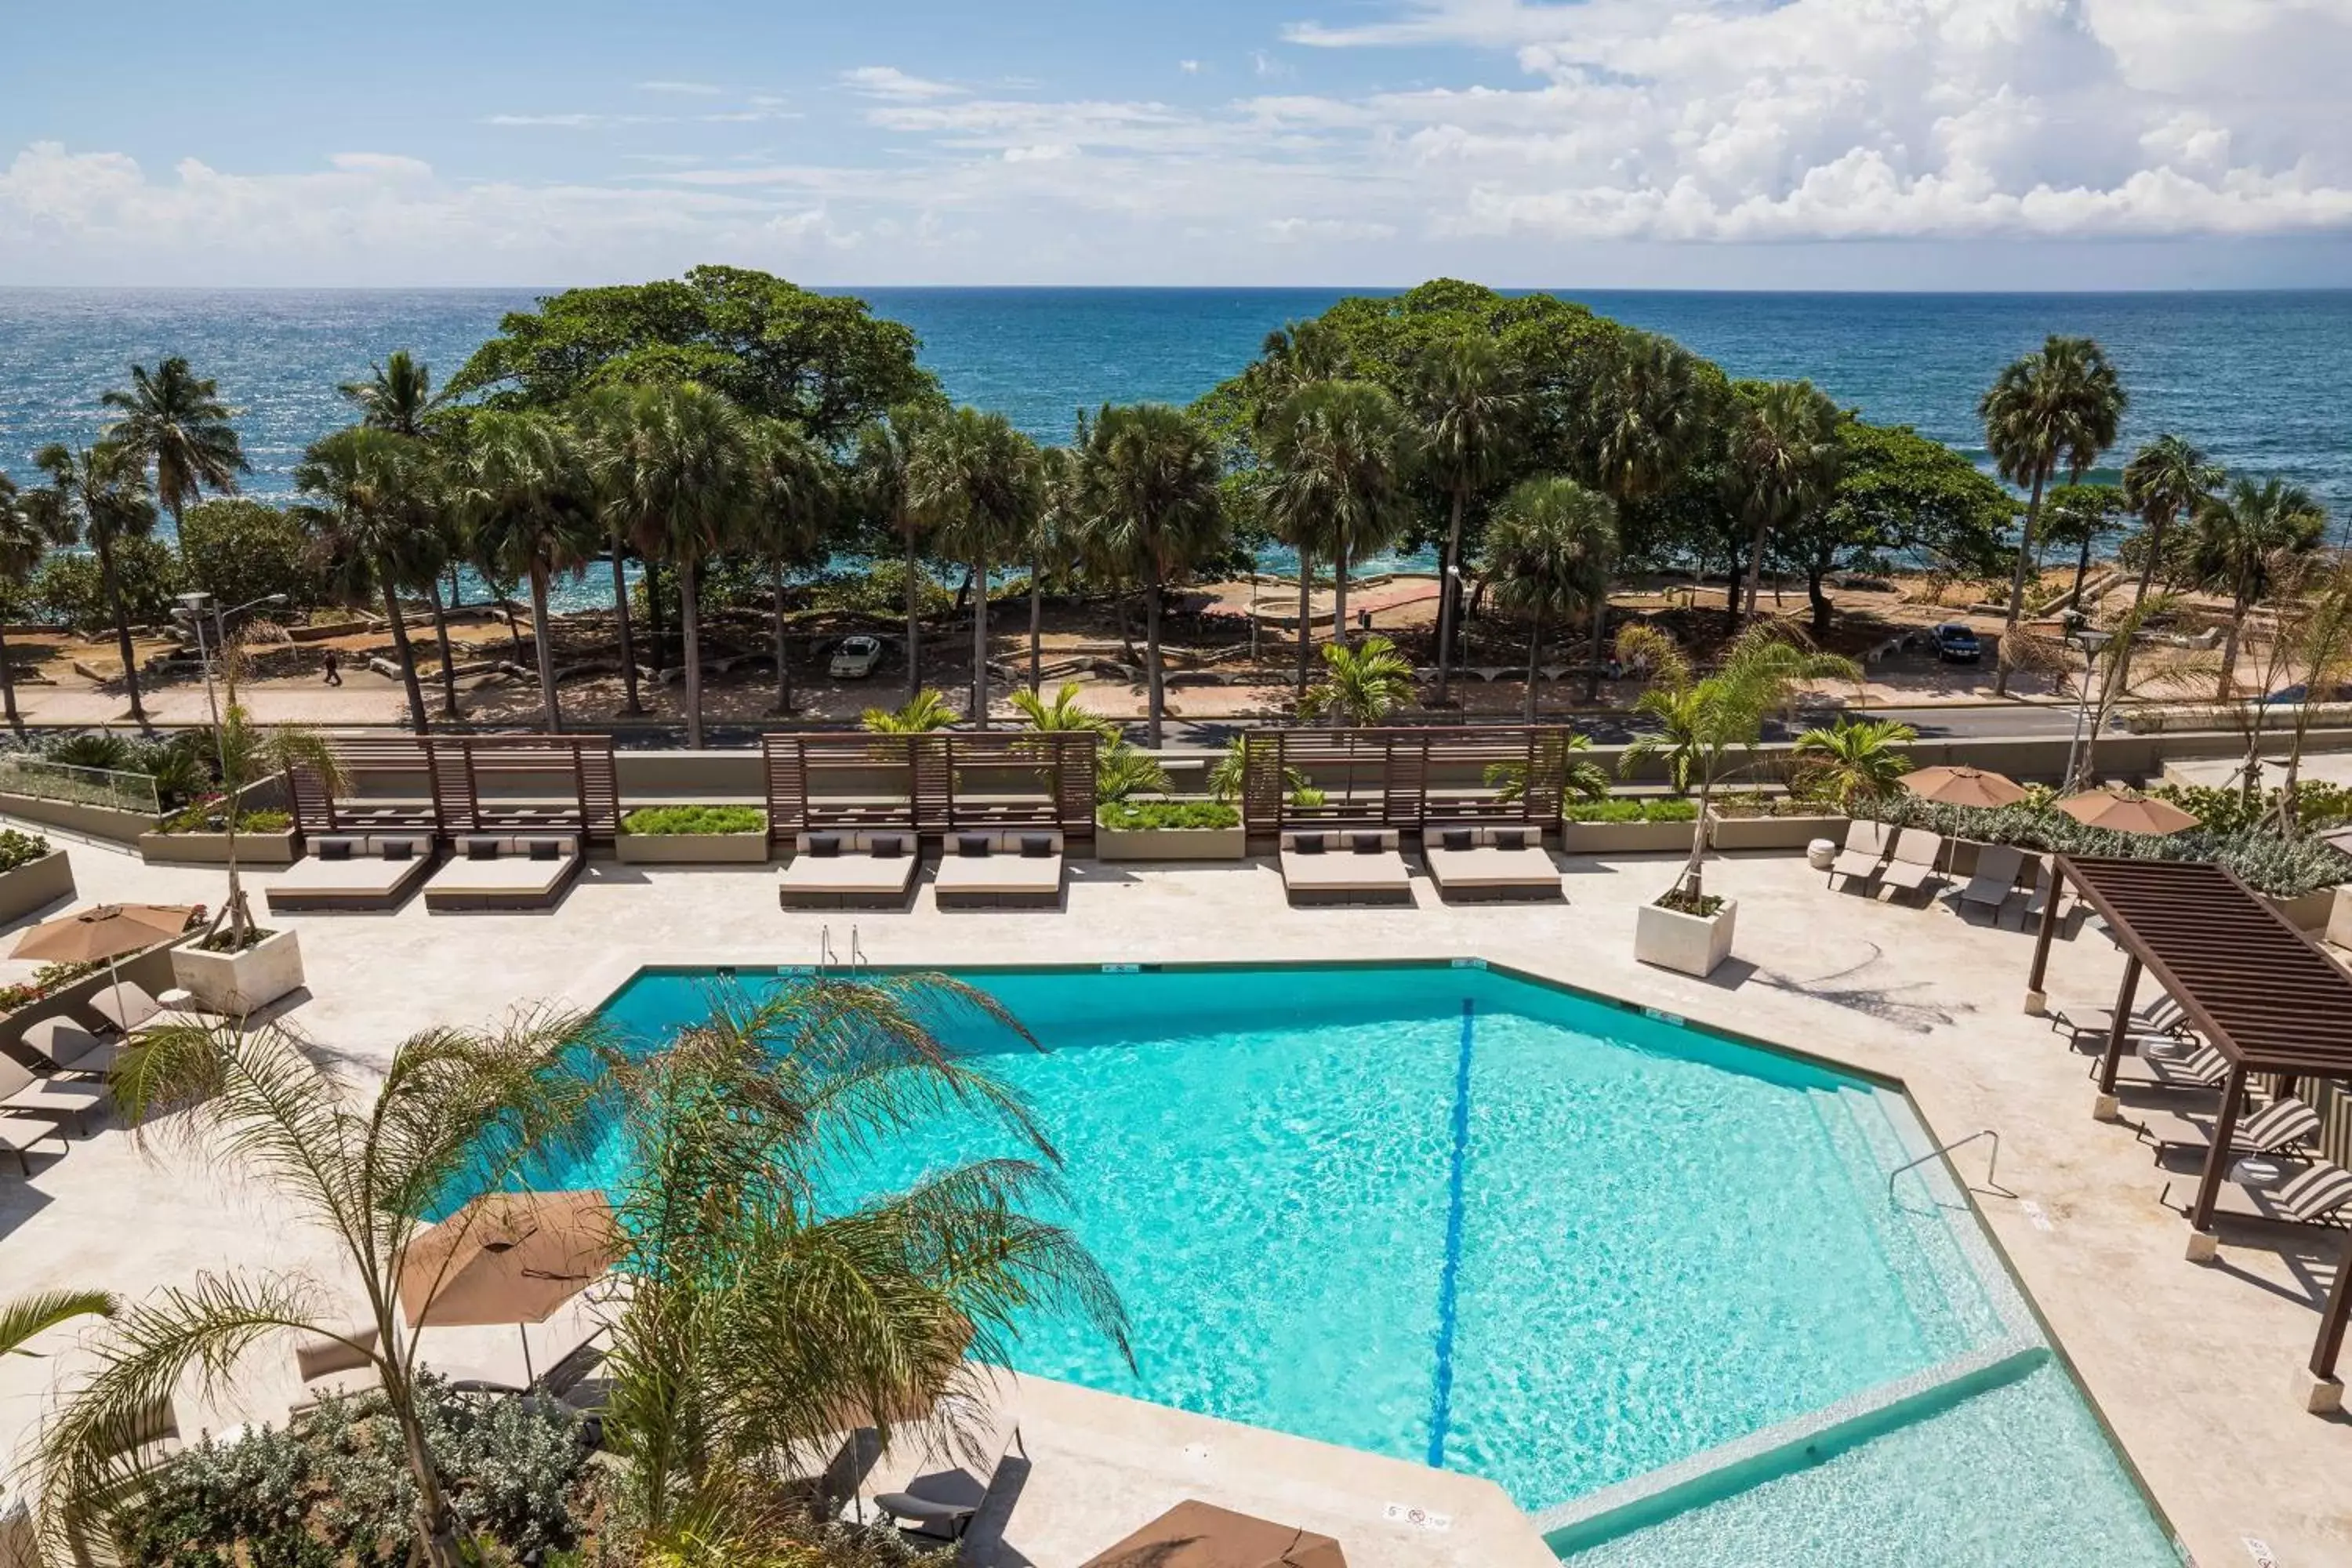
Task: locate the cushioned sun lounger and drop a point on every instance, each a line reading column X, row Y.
column 69, row 1047
column 864, row 868
column 52, row 1099
column 1010, row 867
column 2317, row 1195
column 351, row 871
column 124, row 1004
column 1345, row 866
column 942, row 1510
column 1995, row 878
column 1917, row 851
column 524, row 871
column 2167, row 1061
column 1867, row 844
column 1488, row 864
column 2276, row 1128
column 19, row 1135
column 2162, row 1016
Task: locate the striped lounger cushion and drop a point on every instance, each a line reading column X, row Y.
column 2317, row 1194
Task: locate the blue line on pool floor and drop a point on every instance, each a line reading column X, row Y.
column 1441, row 1399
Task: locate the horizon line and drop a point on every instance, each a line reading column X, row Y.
column 1344, row 288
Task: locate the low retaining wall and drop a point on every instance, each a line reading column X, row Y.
column 1170, row 842
column 123, row 827
column 212, row 848
column 692, row 849
column 36, row 886
column 1626, row 837
column 1773, row 832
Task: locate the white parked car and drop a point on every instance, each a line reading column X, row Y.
column 855, row 658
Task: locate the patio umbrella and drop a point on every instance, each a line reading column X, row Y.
column 1964, row 787
column 508, row 1257
column 1193, row 1534
column 102, row 935
column 2127, row 811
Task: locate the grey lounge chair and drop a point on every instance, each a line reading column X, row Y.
column 2162, row 1016
column 126, row 1013
column 55, row 1099
column 2318, row 1195
column 69, row 1047
column 2186, row 1065
column 2283, row 1126
column 1995, row 878
column 20, row 1134
column 976, row 1527
column 1917, row 855
column 1866, row 845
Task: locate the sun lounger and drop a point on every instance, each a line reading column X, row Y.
column 2166, row 1061
column 1867, row 844
column 69, row 1047
column 1485, row 864
column 1010, row 868
column 498, row 872
column 334, row 1365
column 124, row 1004
column 2162, row 1016
column 2317, row 1195
column 1916, row 854
column 19, row 1135
column 942, row 1510
column 50, row 1098
column 861, row 869
column 351, row 871
column 1345, row 866
column 1995, row 878
column 2279, row 1128
column 2044, row 888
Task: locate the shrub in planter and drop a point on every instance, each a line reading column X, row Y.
column 212, row 816
column 659, row 821
column 1629, row 810
column 1162, row 816
column 20, row 849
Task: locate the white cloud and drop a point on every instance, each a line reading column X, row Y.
column 1189, row 67
column 685, row 88
column 1043, row 153
column 390, row 165
column 889, row 81
column 577, row 121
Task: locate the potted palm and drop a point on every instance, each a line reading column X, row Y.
column 1713, row 726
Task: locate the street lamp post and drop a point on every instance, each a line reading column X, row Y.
column 191, row 612
column 2091, row 643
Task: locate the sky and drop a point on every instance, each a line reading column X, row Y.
column 1679, row 143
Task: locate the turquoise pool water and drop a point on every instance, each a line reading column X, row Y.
column 1447, row 1215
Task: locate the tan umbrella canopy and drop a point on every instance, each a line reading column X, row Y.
column 1964, row 787
column 102, row 935
column 1194, row 1534
column 2127, row 811
column 508, row 1257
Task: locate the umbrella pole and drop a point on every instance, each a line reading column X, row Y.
column 522, row 1331
column 114, row 977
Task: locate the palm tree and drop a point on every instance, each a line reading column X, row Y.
column 1362, row 684
column 972, row 484
column 1469, row 408
column 923, row 712
column 458, row 1111
column 787, row 525
column 1651, row 411
column 249, row 754
column 398, row 396
column 1785, row 458
column 99, row 495
column 2081, row 515
column 1705, row 721
column 1059, row 535
column 521, row 490
column 1855, row 760
column 683, row 464
column 1550, row 548
column 176, row 423
column 2060, row 405
column 1062, row 712
column 596, row 414
column 1150, row 476
column 884, row 449
column 27, row 532
column 369, row 510
column 760, row 1313
column 26, row 1316
column 2165, row 481
column 1341, row 452
column 2240, row 541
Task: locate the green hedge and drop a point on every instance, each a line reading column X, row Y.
column 666, row 821
column 1136, row 817
column 209, row 817
column 1625, row 809
column 18, row 849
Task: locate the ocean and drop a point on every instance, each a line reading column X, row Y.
column 2262, row 381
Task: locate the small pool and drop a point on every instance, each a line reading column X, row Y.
column 1444, row 1214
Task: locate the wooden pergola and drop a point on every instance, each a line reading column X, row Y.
column 455, row 784
column 387, row 784
column 2259, row 990
column 934, row 783
column 1413, row 777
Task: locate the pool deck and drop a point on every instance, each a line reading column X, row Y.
column 2193, row 1366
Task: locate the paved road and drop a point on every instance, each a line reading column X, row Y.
column 1933, row 722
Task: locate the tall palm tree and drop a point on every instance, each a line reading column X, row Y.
column 1151, row 479
column 23, row 1317
column 2061, row 406
column 251, row 753
column 797, row 483
column 1855, row 760
column 2240, row 540
column 1341, row 451
column 683, row 464
column 370, row 507
column 2166, row 480
column 175, row 421
column 458, row 1111
column 100, row 496
column 28, row 533
column 886, row 447
column 1785, row 458
column 1651, row 413
column 596, row 414
column 972, row 484
column 520, row 489
column 1550, row 548
column 1469, row 408
column 398, row 396
column 1058, row 538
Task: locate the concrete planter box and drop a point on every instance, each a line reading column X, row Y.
column 1170, row 842
column 237, row 984
column 123, row 827
column 1625, row 838
column 693, row 849
column 2312, row 912
column 212, row 848
column 1774, row 831
column 1689, row 944
column 34, row 886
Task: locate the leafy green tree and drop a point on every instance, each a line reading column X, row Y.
column 1550, row 551
column 682, row 464
column 1062, row 712
column 398, row 396
column 519, row 488
column 884, row 453
column 176, row 423
column 1855, row 759
column 1151, row 478
column 972, row 481
column 1469, row 408
column 2240, row 541
column 146, row 575
column 1785, row 458
column 2060, row 406
column 1056, row 541
column 1653, row 411
column 370, row 507
column 28, row 534
column 2080, row 515
column 1362, row 684
column 100, row 496
column 925, row 711
column 823, row 364
column 2166, row 480
column 1341, row 451
column 1897, row 493
column 237, row 548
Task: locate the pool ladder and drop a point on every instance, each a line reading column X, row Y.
column 1992, row 1162
column 827, row 960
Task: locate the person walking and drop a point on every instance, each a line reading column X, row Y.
column 334, row 668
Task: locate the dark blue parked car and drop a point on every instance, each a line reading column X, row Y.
column 1956, row 644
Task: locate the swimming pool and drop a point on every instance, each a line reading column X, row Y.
column 1443, row 1213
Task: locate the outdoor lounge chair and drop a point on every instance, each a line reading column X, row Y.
column 864, row 868
column 941, row 1510
column 2165, row 1061
column 490, row 871
column 1995, row 878
column 1486, row 864
column 20, row 1134
column 2279, row 1128
column 1345, row 866
column 69, row 1047
column 351, row 872
column 331, row 1364
column 2162, row 1016
column 2318, row 1194
column 1917, row 855
column 53, row 1100
column 124, row 1004
column 2044, row 888
column 1002, row 869
column 1866, row 845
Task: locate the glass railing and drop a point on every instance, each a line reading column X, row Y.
column 46, row 780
